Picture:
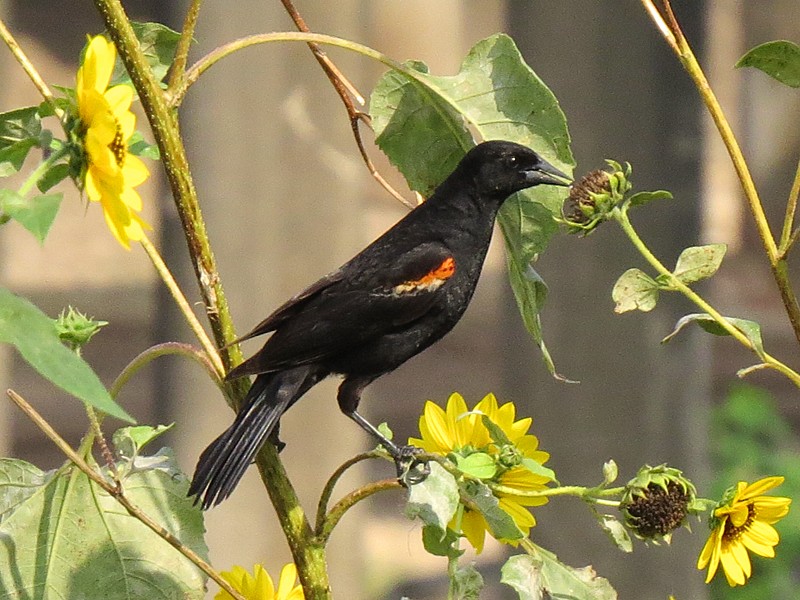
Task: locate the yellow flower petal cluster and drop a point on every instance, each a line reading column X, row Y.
column 742, row 524
column 458, row 429
column 259, row 586
column 107, row 124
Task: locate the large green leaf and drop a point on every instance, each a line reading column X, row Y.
column 68, row 538
column 158, row 43
column 540, row 572
column 34, row 335
column 424, row 124
column 36, row 214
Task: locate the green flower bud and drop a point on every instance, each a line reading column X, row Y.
column 76, row 329
column 656, row 502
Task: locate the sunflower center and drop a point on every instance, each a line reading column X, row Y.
column 118, row 146
column 733, row 533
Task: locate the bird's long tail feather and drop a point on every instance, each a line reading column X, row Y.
column 222, row 465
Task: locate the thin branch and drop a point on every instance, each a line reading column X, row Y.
column 116, row 492
column 340, row 508
column 183, row 305
column 663, row 28
column 184, row 43
column 327, row 491
column 787, row 236
column 28, row 67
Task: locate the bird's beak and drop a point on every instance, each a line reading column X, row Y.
column 547, row 174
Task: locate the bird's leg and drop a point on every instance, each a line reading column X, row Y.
column 405, row 457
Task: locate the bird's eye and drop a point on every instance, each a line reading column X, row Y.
column 512, row 160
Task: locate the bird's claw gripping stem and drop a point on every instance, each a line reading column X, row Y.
column 411, row 470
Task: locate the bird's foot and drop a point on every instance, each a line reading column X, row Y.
column 411, row 469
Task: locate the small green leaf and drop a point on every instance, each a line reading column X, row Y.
column 635, row 290
column 158, row 44
column 129, row 441
column 477, row 464
column 435, row 499
column 610, row 472
column 13, row 156
column 53, row 176
column 616, row 532
column 467, row 583
column 34, row 335
column 541, row 575
column 36, row 214
column 750, row 329
column 699, row 262
column 642, row 198
column 140, row 147
column 500, row 523
column 440, row 542
column 497, row 435
column 538, row 469
column 386, row 431
column 779, row 59
column 19, row 125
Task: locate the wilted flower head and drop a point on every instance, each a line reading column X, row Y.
column 743, row 521
column 593, row 197
column 656, row 502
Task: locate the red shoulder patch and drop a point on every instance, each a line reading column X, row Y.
column 432, row 280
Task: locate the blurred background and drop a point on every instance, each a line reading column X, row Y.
column 287, row 199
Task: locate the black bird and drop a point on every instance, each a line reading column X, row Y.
column 390, row 302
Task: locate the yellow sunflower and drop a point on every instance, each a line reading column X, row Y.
column 456, row 429
column 742, row 523
column 107, row 124
column 259, row 586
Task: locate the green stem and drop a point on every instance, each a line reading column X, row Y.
column 788, row 219
column 178, row 67
column 327, row 491
column 340, row 508
column 683, row 51
column 41, row 169
column 621, row 216
column 183, row 306
column 309, row 559
column 452, row 558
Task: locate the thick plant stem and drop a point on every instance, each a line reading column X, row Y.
column 164, row 125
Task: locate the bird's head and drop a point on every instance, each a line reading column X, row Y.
column 501, row 168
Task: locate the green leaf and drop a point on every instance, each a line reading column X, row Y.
column 642, row 198
column 385, row 431
column 424, row 124
column 13, row 156
column 699, row 262
column 129, row 441
column 140, row 147
column 616, row 532
column 610, row 472
column 35, row 337
column 538, row 469
column 477, row 464
column 19, row 125
column 53, row 176
column 635, row 290
column 497, row 435
column 750, row 329
column 19, row 480
column 500, row 523
column 36, row 214
column 779, row 59
column 467, row 583
column 540, row 572
column 441, row 542
column 435, row 499
column 70, row 539
column 158, row 43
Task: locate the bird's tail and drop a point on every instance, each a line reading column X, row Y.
column 224, row 462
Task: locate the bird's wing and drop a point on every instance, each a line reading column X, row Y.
column 290, row 307
column 361, row 307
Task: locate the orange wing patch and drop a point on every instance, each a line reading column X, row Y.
column 431, row 280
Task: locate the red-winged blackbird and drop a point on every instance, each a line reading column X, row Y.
column 401, row 294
